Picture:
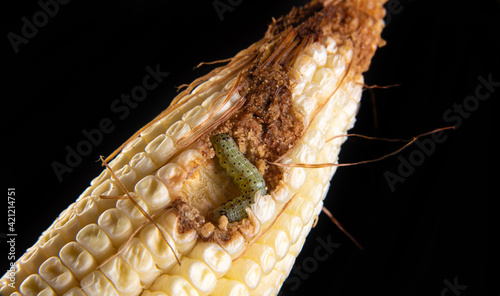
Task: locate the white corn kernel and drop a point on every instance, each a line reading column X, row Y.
column 246, row 271
column 141, row 260
column 227, row 287
column 127, row 176
column 94, row 240
column 96, row 284
column 116, row 225
column 135, row 146
column 195, row 116
column 160, row 149
column 282, row 194
column 152, row 131
column 296, row 178
column 318, row 53
column 213, row 255
column 302, row 208
column 34, row 285
column 177, row 131
column 184, row 241
column 68, row 226
column 142, row 164
column 274, row 279
column 263, row 255
column 235, row 245
column 130, row 210
column 278, row 240
column 78, row 260
column 174, row 285
column 156, row 245
column 198, row 274
column 291, row 225
column 56, row 275
column 263, row 290
column 306, row 67
column 51, row 243
column 264, row 208
column 154, row 194
column 124, row 278
column 32, row 259
column 172, row 175
column 87, row 211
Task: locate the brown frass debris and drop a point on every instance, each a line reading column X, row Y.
column 266, row 126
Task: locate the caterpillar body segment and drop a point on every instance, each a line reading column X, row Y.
column 281, row 99
column 235, row 209
column 244, row 174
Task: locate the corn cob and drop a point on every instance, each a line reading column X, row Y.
column 281, row 100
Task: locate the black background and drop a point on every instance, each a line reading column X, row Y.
column 432, row 227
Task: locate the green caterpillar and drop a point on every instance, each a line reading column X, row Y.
column 244, row 174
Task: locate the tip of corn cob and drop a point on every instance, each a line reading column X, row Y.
column 268, row 125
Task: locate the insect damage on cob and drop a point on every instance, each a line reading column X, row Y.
column 280, row 100
column 244, row 174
